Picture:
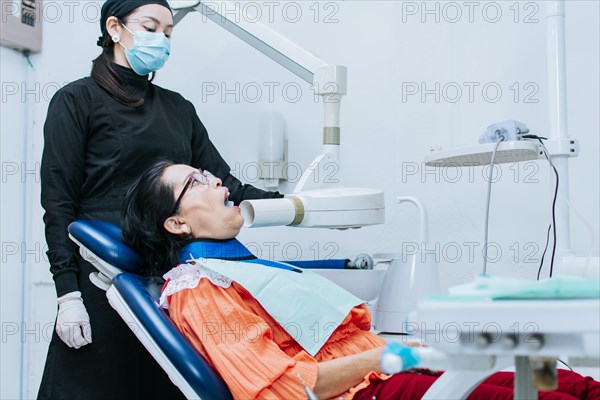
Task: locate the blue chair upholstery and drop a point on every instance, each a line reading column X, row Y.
column 136, row 290
column 140, row 295
column 104, row 240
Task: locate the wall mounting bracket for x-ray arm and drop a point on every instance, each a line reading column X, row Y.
column 342, row 207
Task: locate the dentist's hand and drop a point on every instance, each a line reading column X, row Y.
column 73, row 321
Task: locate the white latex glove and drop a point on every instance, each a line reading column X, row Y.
column 73, row 321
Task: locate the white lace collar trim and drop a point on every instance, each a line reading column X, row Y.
column 187, row 276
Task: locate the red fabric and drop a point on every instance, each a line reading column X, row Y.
column 499, row 386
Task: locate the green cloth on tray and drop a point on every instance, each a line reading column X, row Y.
column 487, row 287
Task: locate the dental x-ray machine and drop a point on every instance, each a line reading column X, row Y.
column 316, row 201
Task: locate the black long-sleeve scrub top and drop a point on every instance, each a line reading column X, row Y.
column 95, row 147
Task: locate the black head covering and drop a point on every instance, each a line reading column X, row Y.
column 122, row 8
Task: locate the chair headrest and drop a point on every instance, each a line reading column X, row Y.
column 104, row 240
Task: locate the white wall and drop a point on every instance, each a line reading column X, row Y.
column 28, row 297
column 385, row 131
column 12, row 217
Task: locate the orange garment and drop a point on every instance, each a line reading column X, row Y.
column 254, row 355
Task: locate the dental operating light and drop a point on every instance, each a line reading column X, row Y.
column 560, row 146
column 315, row 201
column 512, row 149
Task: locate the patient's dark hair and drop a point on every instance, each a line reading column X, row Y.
column 148, row 203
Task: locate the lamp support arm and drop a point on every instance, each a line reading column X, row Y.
column 328, row 81
column 327, row 78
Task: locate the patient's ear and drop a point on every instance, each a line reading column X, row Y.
column 176, row 226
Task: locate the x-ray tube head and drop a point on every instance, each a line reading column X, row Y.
column 337, row 208
column 269, row 212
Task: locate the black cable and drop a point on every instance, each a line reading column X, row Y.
column 539, row 138
column 565, row 364
column 554, row 221
column 533, row 137
column 544, row 253
column 553, row 206
column 26, row 54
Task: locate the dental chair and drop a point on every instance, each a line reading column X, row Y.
column 135, row 298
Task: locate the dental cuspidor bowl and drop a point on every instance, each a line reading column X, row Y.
column 363, row 283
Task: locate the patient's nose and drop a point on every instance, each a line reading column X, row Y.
column 215, row 181
column 212, row 180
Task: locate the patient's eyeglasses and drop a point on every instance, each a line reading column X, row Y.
column 202, row 178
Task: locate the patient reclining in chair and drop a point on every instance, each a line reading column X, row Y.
column 269, row 329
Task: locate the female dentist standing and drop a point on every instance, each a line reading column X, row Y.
column 101, row 132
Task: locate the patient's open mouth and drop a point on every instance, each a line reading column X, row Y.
column 227, row 202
